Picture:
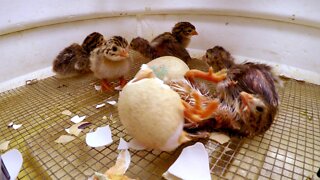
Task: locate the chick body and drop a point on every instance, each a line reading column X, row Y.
column 103, row 68
column 74, row 59
column 168, row 43
column 218, row 58
column 71, row 61
column 249, row 100
column 111, row 61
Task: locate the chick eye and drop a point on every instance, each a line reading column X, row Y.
column 259, row 109
column 189, row 30
column 207, row 56
column 114, row 48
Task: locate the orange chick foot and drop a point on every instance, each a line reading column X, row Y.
column 106, row 86
column 209, row 76
column 196, row 113
column 123, row 82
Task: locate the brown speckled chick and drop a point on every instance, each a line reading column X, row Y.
column 167, row 44
column 111, row 62
column 142, row 46
column 183, row 31
column 74, row 59
column 218, row 58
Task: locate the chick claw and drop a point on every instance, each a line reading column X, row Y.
column 209, row 76
column 196, row 114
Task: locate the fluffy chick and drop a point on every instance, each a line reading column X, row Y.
column 142, row 46
column 176, row 42
column 183, row 31
column 111, row 62
column 74, row 59
column 166, row 45
column 218, row 58
column 93, row 41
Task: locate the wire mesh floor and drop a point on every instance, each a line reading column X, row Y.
column 289, row 150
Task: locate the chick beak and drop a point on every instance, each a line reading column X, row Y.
column 124, row 53
column 194, row 33
column 246, row 98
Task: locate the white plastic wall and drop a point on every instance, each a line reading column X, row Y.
column 285, row 34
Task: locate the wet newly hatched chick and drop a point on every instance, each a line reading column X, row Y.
column 218, row 58
column 249, row 93
column 248, row 100
column 111, row 62
column 74, row 59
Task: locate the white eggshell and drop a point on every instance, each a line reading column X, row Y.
column 152, row 113
column 168, row 68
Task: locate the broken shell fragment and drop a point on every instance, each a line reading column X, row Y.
column 64, row 139
column 66, row 112
column 101, row 137
column 77, row 128
column 4, row 145
column 77, row 119
column 13, row 162
column 16, row 126
column 219, row 137
column 193, row 163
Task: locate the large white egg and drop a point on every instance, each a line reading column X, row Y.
column 152, row 113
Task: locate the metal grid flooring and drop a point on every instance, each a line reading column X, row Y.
column 289, row 150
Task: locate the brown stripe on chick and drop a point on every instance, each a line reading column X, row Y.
column 92, row 41
column 180, row 26
column 119, row 41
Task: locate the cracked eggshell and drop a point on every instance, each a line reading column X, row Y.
column 152, row 113
column 168, row 68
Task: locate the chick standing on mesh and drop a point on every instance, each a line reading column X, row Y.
column 74, row 59
column 111, row 62
column 167, row 44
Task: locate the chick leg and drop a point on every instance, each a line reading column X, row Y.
column 196, row 114
column 106, row 86
column 209, row 76
column 123, row 81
